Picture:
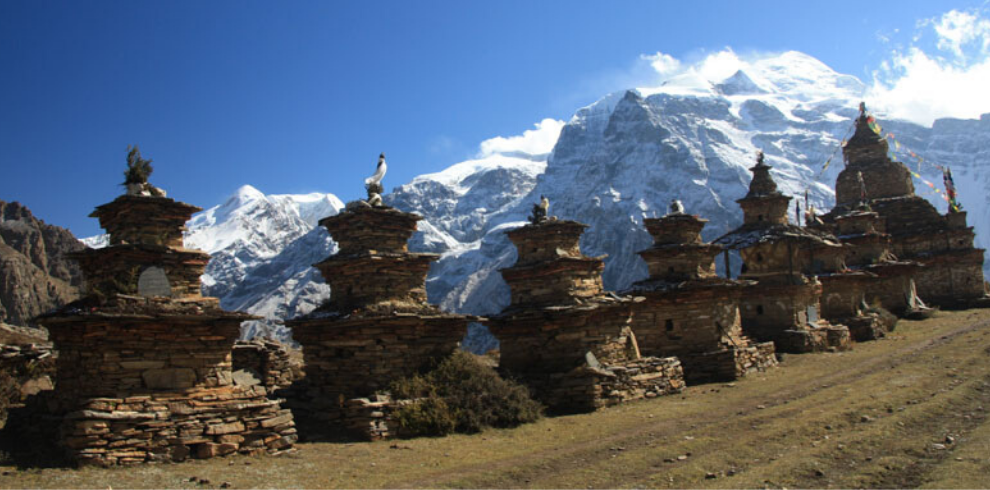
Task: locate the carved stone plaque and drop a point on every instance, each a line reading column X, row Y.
column 154, row 282
column 812, row 313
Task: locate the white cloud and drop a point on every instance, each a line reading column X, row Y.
column 921, row 86
column 957, row 29
column 720, row 65
column 537, row 141
column 713, row 67
column 663, row 63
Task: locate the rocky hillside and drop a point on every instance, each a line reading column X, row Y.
column 35, row 276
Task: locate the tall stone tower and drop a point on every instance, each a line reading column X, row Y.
column 144, row 366
column 689, row 311
column 952, row 275
column 783, row 306
column 563, row 336
column 376, row 327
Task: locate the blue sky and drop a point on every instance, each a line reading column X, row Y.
column 296, row 97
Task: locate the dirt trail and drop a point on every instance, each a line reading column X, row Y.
column 749, row 420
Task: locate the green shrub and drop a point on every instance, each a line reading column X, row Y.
column 138, row 169
column 426, row 417
column 461, row 395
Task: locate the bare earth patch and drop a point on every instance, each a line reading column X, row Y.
column 906, row 411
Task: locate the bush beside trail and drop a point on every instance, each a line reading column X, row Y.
column 462, row 394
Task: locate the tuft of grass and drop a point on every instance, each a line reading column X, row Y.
column 462, row 394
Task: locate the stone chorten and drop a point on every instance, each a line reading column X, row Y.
column 377, row 326
column 953, row 268
column 850, row 295
column 893, row 286
column 689, row 311
column 566, row 339
column 783, row 305
column 144, row 366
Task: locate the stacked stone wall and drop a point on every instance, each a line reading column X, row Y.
column 882, row 180
column 269, row 359
column 770, row 210
column 844, row 294
column 770, row 259
column 110, row 356
column 118, row 269
column 825, row 338
column 730, row 363
column 588, row 388
column 558, row 282
column 893, row 288
column 701, row 327
column 198, row 423
column 678, row 264
column 693, row 321
column 949, row 280
column 355, row 359
column 370, row 278
column 779, row 314
column 560, row 341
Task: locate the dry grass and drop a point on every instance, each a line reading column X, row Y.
column 870, row 417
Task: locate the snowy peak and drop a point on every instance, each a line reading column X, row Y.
column 804, row 77
column 791, row 81
column 244, row 196
column 312, row 207
column 268, row 223
column 739, row 84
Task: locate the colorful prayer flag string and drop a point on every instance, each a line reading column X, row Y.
column 949, row 195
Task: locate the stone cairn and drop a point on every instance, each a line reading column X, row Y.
column 783, row 306
column 952, row 275
column 562, row 336
column 377, row 326
column 689, row 311
column 144, row 364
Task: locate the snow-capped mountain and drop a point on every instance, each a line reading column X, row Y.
column 615, row 162
column 262, row 248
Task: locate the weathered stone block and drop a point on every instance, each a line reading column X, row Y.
column 169, row 379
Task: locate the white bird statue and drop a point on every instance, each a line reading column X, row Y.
column 379, row 172
column 676, row 207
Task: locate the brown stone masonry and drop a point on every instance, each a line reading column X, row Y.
column 563, row 337
column 377, row 327
column 268, row 360
column 144, row 366
column 783, row 306
column 952, row 275
column 688, row 311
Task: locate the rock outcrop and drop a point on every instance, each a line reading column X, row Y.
column 35, row 275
